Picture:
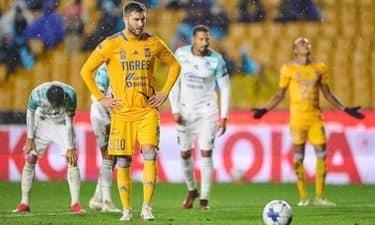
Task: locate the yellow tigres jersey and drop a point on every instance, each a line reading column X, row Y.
column 130, row 62
column 303, row 83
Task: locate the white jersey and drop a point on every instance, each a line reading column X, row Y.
column 194, row 92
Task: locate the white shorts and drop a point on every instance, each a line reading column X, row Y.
column 100, row 121
column 204, row 127
column 47, row 131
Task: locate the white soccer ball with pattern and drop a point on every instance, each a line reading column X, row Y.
column 277, row 212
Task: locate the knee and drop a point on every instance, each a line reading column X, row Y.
column 321, row 154
column 31, row 158
column 124, row 162
column 206, row 153
column 298, row 158
column 149, row 155
column 186, row 154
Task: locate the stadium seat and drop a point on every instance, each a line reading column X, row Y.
column 22, row 88
column 59, row 64
column 6, row 96
column 41, row 70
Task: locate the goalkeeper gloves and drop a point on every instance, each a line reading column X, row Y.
column 354, row 112
column 259, row 112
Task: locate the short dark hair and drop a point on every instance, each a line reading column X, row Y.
column 199, row 28
column 55, row 95
column 133, row 6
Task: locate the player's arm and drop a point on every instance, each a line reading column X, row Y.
column 223, row 83
column 324, row 87
column 166, row 56
column 352, row 111
column 275, row 100
column 99, row 56
column 279, row 95
column 32, row 105
column 174, row 97
column 71, row 153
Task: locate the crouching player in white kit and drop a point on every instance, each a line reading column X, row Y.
column 195, row 110
column 100, row 121
column 50, row 111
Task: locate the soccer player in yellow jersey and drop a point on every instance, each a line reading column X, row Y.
column 304, row 78
column 130, row 56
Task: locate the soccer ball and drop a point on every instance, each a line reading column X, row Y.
column 277, row 212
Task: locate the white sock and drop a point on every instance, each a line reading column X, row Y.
column 188, row 170
column 74, row 180
column 27, row 181
column 106, row 179
column 206, row 176
column 98, row 191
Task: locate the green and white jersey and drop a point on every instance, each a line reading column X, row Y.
column 38, row 101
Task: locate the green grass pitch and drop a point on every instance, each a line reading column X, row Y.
column 231, row 204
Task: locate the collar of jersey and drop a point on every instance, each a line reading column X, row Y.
column 130, row 37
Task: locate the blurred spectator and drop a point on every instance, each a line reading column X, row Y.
column 202, row 12
column 251, row 11
column 149, row 3
column 13, row 47
column 109, row 23
column 34, row 4
column 292, row 10
column 73, row 25
column 48, row 27
column 248, row 65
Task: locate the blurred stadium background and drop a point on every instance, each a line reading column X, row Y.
column 50, row 40
column 256, row 38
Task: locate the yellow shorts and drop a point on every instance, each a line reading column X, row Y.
column 124, row 135
column 311, row 130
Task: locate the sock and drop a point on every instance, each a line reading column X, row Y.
column 188, row 170
column 320, row 176
column 27, row 181
column 206, row 177
column 74, row 180
column 149, row 179
column 106, row 179
column 124, row 186
column 301, row 183
column 98, row 191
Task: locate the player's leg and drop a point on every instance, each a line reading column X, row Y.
column 317, row 138
column 59, row 136
column 148, row 138
column 299, row 135
column 185, row 141
column 102, row 198
column 41, row 141
column 122, row 138
column 207, row 129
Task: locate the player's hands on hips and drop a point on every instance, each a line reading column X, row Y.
column 157, row 99
column 178, row 118
column 71, row 156
column 29, row 146
column 354, row 112
column 109, row 102
column 222, row 126
column 259, row 112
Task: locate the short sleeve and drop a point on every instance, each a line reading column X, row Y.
column 323, row 70
column 71, row 103
column 284, row 77
column 221, row 69
column 33, row 102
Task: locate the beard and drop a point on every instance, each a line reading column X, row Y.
column 134, row 31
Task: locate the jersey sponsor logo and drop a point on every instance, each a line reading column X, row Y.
column 135, row 81
column 135, row 52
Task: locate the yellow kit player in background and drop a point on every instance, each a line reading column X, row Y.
column 130, row 56
column 304, row 78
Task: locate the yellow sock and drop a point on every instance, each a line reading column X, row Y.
column 301, row 183
column 124, row 186
column 149, row 179
column 320, row 177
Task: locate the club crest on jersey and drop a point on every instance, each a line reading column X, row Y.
column 147, row 52
column 122, row 54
